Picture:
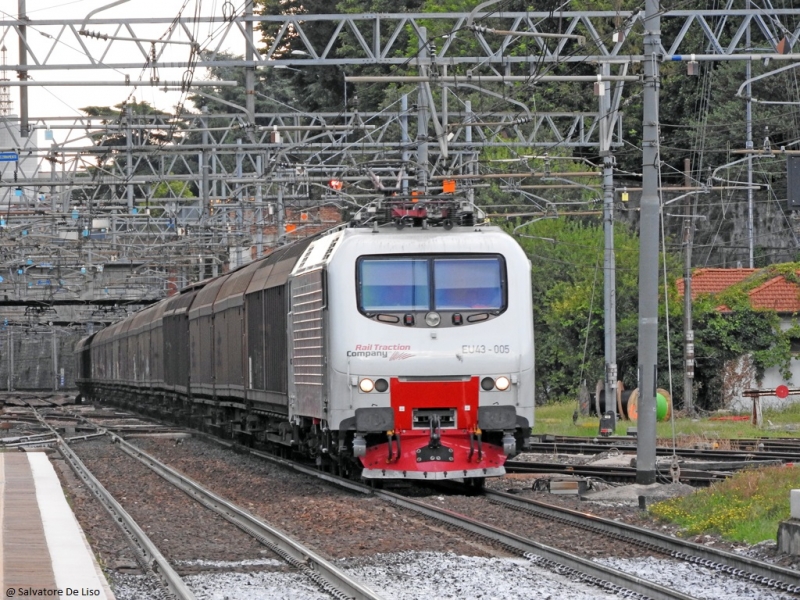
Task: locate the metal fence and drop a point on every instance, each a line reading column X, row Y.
column 37, row 359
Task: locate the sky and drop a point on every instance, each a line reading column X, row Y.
column 66, row 101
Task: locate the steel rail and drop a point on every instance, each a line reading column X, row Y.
column 736, row 443
column 537, row 553
column 754, row 570
column 586, row 568
column 21, row 439
column 779, row 442
column 324, row 573
column 625, row 473
column 48, row 441
column 147, row 552
column 589, row 447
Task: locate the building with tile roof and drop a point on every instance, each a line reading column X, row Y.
column 776, row 293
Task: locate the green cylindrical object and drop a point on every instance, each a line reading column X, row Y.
column 661, row 407
column 630, row 404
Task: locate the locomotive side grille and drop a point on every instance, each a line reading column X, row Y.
column 308, row 341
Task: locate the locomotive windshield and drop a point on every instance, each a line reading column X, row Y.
column 432, row 283
column 394, row 284
column 467, row 283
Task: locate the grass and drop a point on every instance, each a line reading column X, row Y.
column 745, row 508
column 556, row 419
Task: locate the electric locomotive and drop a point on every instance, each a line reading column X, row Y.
column 386, row 351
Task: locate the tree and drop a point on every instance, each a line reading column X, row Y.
column 111, row 144
column 567, row 273
column 316, row 88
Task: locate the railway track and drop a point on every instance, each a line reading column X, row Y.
column 147, row 553
column 565, row 563
column 152, row 464
column 772, row 576
column 326, row 576
column 324, row 573
column 610, row 579
column 757, row 449
column 623, row 474
column 746, row 569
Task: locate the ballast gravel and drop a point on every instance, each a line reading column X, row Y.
column 413, row 575
column 407, row 576
column 699, row 582
column 447, row 576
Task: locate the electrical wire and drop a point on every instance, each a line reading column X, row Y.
column 589, row 318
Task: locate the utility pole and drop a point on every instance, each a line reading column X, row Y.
column 281, row 212
column 609, row 259
column 54, row 345
column 749, row 144
column 128, row 157
column 470, row 150
column 205, row 194
column 405, row 140
column 688, row 332
column 10, row 361
column 648, row 251
column 259, row 208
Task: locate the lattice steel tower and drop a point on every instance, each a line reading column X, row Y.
column 5, row 93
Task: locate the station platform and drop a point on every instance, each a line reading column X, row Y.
column 43, row 551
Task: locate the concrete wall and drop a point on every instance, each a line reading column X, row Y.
column 772, row 379
column 740, row 375
column 27, row 363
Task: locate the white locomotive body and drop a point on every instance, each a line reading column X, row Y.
column 421, row 330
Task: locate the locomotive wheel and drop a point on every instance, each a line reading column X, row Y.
column 335, row 467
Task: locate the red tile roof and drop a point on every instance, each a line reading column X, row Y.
column 713, row 281
column 776, row 294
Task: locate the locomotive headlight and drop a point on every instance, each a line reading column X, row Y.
column 487, row 383
column 432, row 319
column 502, row 383
column 366, row 385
